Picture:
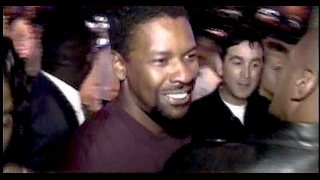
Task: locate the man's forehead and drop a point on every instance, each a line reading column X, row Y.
column 20, row 27
column 161, row 31
column 245, row 47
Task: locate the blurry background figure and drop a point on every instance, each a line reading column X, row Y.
column 55, row 103
column 8, row 123
column 209, row 33
column 101, row 85
column 5, row 23
column 209, row 64
column 11, row 109
column 276, row 57
column 283, row 26
column 25, row 37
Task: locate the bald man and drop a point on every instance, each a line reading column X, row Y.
column 291, row 148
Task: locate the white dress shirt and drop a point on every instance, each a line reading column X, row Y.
column 71, row 94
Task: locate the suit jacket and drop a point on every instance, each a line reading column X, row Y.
column 212, row 120
column 53, row 122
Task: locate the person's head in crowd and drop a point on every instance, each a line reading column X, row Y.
column 67, row 44
column 242, row 63
column 276, row 57
column 209, row 62
column 296, row 96
column 26, row 40
column 101, row 85
column 154, row 57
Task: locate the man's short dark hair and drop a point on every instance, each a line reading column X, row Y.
column 124, row 20
column 239, row 34
column 60, row 26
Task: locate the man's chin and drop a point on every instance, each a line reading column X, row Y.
column 176, row 113
column 172, row 122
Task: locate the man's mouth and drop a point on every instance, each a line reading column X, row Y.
column 179, row 98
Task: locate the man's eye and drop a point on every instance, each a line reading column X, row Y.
column 193, row 55
column 277, row 68
column 236, row 62
column 256, row 65
column 160, row 61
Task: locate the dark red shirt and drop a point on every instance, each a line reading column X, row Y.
column 115, row 142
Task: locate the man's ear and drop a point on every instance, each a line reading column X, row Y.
column 119, row 67
column 305, row 85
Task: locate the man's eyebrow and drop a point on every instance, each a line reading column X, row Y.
column 193, row 48
column 236, row 57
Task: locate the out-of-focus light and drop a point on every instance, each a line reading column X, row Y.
column 99, row 25
column 90, row 24
column 217, row 32
column 267, row 14
column 100, row 19
column 104, row 25
column 268, row 11
column 231, row 12
column 294, row 24
column 102, row 42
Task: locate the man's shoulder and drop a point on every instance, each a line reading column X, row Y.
column 105, row 120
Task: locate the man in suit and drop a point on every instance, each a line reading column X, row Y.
column 56, row 108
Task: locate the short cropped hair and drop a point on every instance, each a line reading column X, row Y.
column 63, row 25
column 239, row 34
column 124, row 22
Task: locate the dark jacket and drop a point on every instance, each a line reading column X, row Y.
column 53, row 121
column 212, row 120
column 293, row 148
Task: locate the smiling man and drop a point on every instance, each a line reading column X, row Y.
column 153, row 54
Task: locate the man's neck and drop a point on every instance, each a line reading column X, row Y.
column 127, row 103
column 229, row 98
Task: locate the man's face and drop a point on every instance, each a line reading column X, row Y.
column 7, row 117
column 208, row 53
column 23, row 39
column 96, row 87
column 163, row 66
column 242, row 67
column 276, row 56
column 73, row 62
column 26, row 42
column 207, row 81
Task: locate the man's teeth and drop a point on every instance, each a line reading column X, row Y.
column 178, row 96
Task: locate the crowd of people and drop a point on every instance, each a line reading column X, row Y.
column 147, row 90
